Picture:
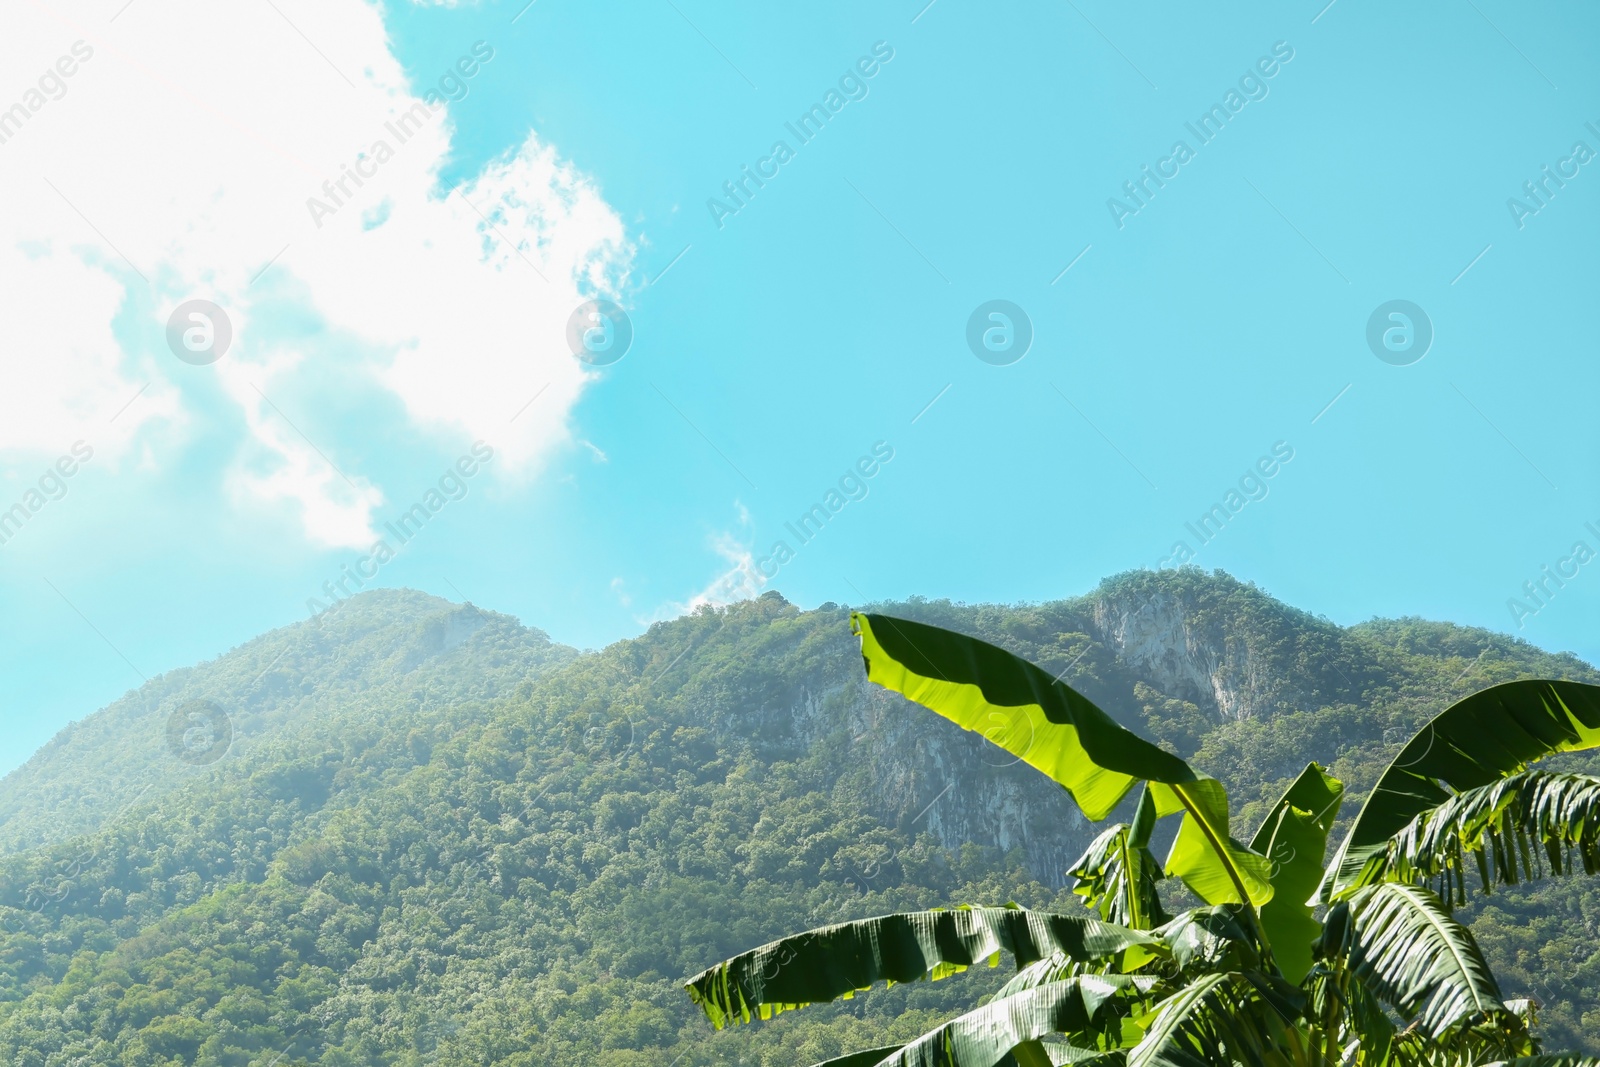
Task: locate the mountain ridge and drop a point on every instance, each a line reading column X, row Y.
column 382, row 638
column 507, row 849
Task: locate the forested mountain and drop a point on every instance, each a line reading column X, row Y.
column 436, row 837
column 367, row 665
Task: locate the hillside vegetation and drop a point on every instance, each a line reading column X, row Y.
column 439, row 838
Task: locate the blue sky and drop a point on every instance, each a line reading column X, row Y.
column 1173, row 348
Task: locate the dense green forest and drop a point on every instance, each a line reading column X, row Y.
column 438, row 838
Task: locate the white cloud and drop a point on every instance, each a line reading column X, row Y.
column 190, row 142
column 741, row 579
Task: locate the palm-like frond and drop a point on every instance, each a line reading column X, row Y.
column 1058, row 968
column 1509, row 829
column 1502, row 1036
column 1224, row 1019
column 840, row 960
column 1403, row 943
column 1475, row 742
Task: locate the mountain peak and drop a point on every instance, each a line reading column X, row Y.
column 290, row 686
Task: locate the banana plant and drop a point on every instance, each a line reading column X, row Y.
column 1289, row 962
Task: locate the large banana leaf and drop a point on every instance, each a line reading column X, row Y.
column 1402, row 942
column 1057, row 967
column 1058, row 731
column 1507, row 828
column 1008, row 700
column 1294, row 838
column 1473, row 743
column 1219, row 869
column 1224, row 1018
column 1089, row 1008
column 868, row 1058
column 1072, row 1056
column 841, row 960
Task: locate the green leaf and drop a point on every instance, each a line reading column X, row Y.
column 1224, row 1018
column 1499, row 1037
column 1401, row 940
column 1219, row 869
column 840, row 960
column 869, row 1058
column 1509, row 830
column 1058, row 731
column 1117, row 874
column 1089, row 1008
column 1019, row 707
column 1294, row 838
column 1210, row 939
column 1058, row 968
column 1031, row 1054
column 1475, row 742
column 1348, row 1010
column 1073, row 1056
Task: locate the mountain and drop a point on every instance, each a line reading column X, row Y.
column 367, row 666
column 433, row 836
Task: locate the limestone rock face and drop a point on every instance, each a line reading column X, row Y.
column 1160, row 638
column 1184, row 641
column 924, row 774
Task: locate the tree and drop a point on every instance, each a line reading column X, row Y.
column 1288, row 961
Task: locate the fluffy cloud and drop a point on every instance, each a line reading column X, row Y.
column 177, row 161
